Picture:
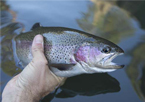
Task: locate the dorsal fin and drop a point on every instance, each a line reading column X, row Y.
column 36, row 25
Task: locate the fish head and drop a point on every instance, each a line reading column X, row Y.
column 97, row 56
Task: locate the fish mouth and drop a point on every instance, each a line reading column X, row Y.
column 108, row 64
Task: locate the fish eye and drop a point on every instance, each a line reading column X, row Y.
column 106, row 50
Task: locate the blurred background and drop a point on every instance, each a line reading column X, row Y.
column 122, row 22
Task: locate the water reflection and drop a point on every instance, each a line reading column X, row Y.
column 136, row 69
column 8, row 31
column 8, row 64
column 135, row 9
column 7, row 15
column 107, row 20
column 85, row 86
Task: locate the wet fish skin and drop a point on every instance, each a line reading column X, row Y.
column 63, row 48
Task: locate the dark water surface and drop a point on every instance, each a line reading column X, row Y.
column 121, row 22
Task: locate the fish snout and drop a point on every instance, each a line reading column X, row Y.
column 119, row 50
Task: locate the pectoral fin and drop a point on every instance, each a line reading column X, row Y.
column 70, row 70
column 62, row 66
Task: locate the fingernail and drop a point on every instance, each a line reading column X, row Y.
column 38, row 39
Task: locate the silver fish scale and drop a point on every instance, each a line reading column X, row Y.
column 63, row 46
column 24, row 51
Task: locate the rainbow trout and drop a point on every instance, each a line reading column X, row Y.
column 69, row 51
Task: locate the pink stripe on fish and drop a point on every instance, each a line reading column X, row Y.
column 86, row 53
column 27, row 44
column 82, row 52
column 94, row 52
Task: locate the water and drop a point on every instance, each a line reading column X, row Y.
column 121, row 22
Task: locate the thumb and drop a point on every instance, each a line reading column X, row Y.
column 37, row 47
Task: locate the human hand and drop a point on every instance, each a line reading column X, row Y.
column 35, row 81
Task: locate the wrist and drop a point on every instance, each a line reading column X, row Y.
column 14, row 93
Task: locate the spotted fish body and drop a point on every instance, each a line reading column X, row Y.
column 60, row 46
column 65, row 49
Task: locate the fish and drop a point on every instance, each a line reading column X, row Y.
column 69, row 52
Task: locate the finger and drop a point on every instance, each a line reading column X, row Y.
column 39, row 59
column 37, row 46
